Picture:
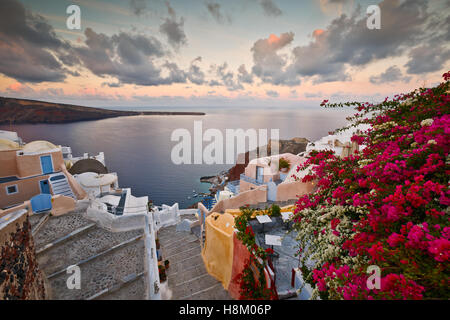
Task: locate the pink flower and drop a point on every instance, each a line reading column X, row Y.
column 440, row 249
column 395, row 239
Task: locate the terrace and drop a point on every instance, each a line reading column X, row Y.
column 284, row 259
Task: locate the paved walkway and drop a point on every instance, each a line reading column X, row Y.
column 112, row 264
column 187, row 276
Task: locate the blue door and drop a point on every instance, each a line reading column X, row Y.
column 46, row 164
column 45, row 187
column 272, row 191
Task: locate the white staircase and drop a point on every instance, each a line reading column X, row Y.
column 60, row 185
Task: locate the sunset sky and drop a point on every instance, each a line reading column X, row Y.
column 220, row 53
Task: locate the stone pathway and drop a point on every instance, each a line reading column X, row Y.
column 111, row 263
column 187, row 276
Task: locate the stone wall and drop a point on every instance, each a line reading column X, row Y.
column 293, row 190
column 249, row 197
column 20, row 277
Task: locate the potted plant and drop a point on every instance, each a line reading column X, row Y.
column 283, row 165
column 166, row 264
column 275, row 211
column 157, row 244
column 162, row 273
column 150, row 205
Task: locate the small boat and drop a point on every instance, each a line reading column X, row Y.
column 189, row 198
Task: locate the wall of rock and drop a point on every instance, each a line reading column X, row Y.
column 20, row 277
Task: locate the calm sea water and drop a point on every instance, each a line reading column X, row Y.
column 139, row 148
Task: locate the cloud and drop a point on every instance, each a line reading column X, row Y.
column 224, row 77
column 270, row 8
column 313, row 94
column 129, row 58
column 138, row 7
column 112, row 84
column 347, row 42
column 176, row 75
column 215, row 10
column 424, row 59
column 18, row 87
column 173, row 29
column 19, row 90
column 269, row 64
column 30, row 49
column 272, row 93
column 244, row 76
column 392, row 74
column 195, row 74
column 333, row 6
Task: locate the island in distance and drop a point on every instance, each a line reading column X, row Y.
column 31, row 111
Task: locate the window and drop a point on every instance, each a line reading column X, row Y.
column 260, row 174
column 11, row 189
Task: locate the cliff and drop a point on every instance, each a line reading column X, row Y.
column 31, row 111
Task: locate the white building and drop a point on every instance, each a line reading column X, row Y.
column 96, row 184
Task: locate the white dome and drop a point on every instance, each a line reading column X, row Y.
column 39, row 146
column 6, row 144
column 92, row 179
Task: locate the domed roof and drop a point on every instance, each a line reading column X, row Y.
column 6, row 144
column 38, row 146
column 88, row 165
column 92, row 179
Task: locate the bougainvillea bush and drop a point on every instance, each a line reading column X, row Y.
column 386, row 205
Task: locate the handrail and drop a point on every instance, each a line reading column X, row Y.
column 252, row 180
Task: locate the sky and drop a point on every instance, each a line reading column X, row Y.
column 214, row 53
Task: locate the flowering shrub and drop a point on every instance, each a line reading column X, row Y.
column 386, row 205
column 250, row 287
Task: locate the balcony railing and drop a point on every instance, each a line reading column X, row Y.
column 251, row 180
column 233, row 186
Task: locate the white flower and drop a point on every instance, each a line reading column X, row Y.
column 426, row 122
column 432, row 141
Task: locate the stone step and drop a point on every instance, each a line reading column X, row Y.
column 89, row 241
column 183, row 275
column 182, row 265
column 195, row 286
column 215, row 292
column 187, row 276
column 176, row 242
column 184, row 246
column 65, row 238
column 183, row 254
column 58, row 227
column 132, row 289
column 104, row 271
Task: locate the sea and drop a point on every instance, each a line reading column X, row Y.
column 139, row 148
